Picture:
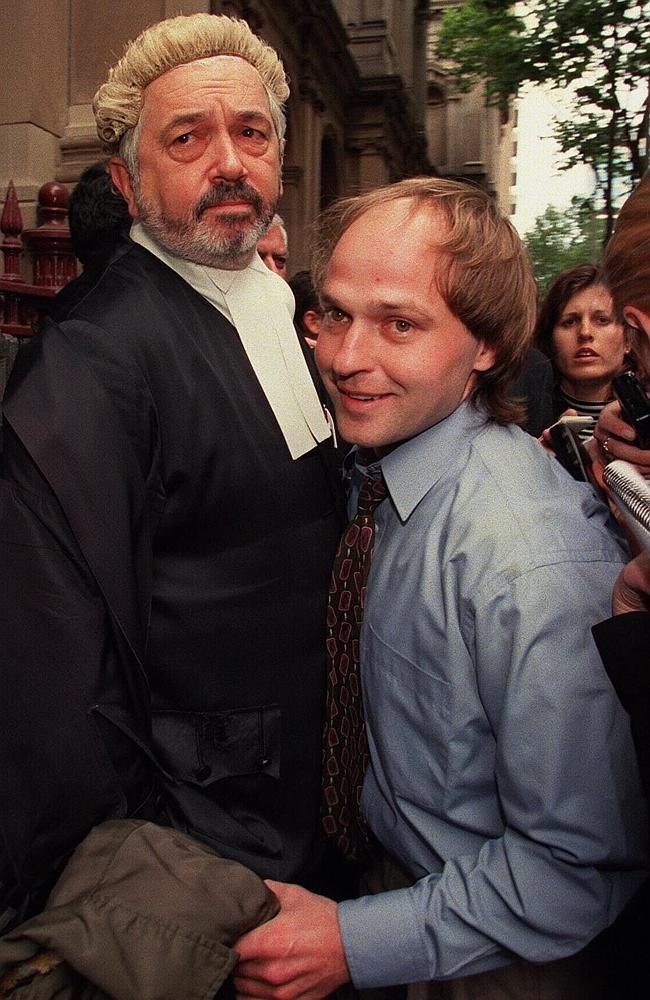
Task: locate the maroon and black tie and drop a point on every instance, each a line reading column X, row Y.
column 345, row 746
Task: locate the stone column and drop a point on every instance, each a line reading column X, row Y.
column 33, row 97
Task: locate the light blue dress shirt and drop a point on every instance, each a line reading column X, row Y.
column 502, row 772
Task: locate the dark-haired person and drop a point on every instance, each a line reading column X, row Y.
column 624, row 639
column 99, row 219
column 502, row 786
column 578, row 330
column 309, row 314
column 98, row 216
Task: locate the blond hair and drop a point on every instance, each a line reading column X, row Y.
column 174, row 42
column 487, row 281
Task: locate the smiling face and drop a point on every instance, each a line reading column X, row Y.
column 588, row 344
column 209, row 162
column 394, row 359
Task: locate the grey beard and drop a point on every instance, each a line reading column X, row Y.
column 191, row 239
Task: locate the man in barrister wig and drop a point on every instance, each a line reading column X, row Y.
column 169, row 508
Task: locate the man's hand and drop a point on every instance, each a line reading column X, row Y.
column 614, row 436
column 632, row 588
column 297, row 954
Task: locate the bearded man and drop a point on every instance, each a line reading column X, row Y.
column 168, row 488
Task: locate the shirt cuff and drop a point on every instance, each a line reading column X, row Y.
column 382, row 940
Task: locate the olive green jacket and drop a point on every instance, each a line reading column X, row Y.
column 141, row 912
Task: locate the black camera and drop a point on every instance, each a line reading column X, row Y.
column 635, row 405
column 567, row 446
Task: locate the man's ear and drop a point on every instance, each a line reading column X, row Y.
column 637, row 319
column 312, row 321
column 122, row 180
column 485, row 357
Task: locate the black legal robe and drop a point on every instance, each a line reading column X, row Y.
column 164, row 654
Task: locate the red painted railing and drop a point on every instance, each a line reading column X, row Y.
column 50, row 250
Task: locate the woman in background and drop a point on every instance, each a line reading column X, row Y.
column 587, row 344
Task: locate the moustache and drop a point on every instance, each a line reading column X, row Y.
column 239, row 191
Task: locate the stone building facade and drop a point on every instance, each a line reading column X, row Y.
column 465, row 137
column 368, row 104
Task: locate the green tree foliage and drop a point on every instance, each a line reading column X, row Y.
column 596, row 51
column 562, row 238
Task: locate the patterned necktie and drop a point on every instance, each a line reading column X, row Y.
column 345, row 746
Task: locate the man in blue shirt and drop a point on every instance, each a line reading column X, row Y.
column 502, row 786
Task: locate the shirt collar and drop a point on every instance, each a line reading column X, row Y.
column 415, row 467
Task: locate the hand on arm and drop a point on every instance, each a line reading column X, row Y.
column 297, row 954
